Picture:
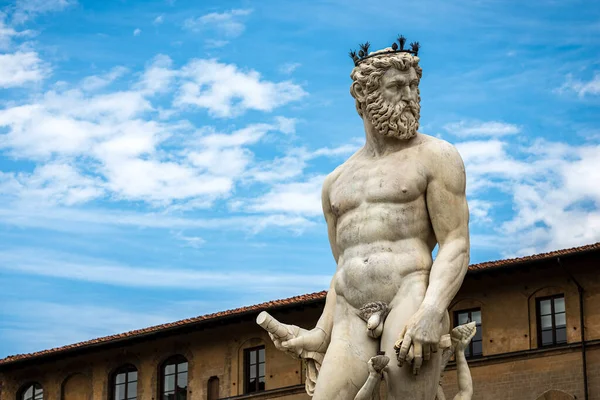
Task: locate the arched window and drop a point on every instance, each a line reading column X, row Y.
column 124, row 383
column 33, row 391
column 174, row 378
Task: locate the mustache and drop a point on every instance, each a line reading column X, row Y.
column 399, row 119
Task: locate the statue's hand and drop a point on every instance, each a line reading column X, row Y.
column 420, row 337
column 377, row 364
column 462, row 335
column 305, row 343
column 294, row 340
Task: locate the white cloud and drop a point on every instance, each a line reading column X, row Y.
column 550, row 187
column 7, row 33
column 137, row 32
column 476, row 128
column 582, row 88
column 302, row 198
column 95, row 82
column 159, row 20
column 227, row 24
column 20, row 68
column 157, row 76
column 27, row 9
column 58, row 265
column 288, row 68
column 54, row 183
column 227, row 91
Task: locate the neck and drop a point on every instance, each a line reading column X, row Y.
column 379, row 145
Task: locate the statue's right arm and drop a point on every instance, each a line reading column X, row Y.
column 465, row 382
column 326, row 321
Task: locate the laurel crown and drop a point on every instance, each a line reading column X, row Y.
column 398, row 47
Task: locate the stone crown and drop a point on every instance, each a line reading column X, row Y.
column 398, row 47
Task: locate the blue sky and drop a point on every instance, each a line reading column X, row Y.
column 163, row 159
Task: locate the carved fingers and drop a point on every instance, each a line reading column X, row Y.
column 413, row 350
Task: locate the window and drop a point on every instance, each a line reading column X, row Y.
column 475, row 348
column 33, row 391
column 254, row 369
column 552, row 320
column 213, row 388
column 174, row 382
column 124, row 383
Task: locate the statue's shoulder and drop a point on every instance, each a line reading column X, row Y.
column 441, row 157
column 439, row 149
column 334, row 175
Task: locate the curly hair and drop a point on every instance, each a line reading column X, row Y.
column 369, row 72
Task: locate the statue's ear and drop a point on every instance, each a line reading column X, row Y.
column 357, row 92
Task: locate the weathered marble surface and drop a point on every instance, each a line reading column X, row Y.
column 386, row 209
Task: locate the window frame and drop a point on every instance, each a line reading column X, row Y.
column 248, row 365
column 173, row 360
column 538, row 312
column 126, row 369
column 469, row 355
column 36, row 386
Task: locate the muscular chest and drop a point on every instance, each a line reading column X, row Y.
column 392, row 180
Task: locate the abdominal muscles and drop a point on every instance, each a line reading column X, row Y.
column 385, row 248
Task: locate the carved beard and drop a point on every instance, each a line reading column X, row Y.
column 400, row 120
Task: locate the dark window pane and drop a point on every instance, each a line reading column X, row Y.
column 253, row 357
column 546, row 321
column 120, row 392
column 182, row 395
column 463, row 318
column 560, row 320
column 28, row 395
column 545, row 307
column 561, row 335
column 476, row 316
column 132, row 376
column 559, row 305
column 477, row 348
column 169, row 383
column 182, row 380
column 477, row 335
column 261, row 385
column 169, row 369
column 132, row 390
column 547, row 337
column 182, row 367
column 120, row 378
column 168, row 396
column 261, row 355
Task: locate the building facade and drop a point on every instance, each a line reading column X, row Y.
column 538, row 320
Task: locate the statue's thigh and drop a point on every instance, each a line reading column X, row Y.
column 344, row 368
column 400, row 381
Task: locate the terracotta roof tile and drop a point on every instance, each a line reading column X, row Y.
column 296, row 300
column 535, row 257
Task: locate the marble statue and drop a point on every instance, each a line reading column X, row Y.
column 386, row 208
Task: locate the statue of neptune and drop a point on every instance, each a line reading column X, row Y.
column 386, row 208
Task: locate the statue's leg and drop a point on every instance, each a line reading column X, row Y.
column 400, row 381
column 345, row 369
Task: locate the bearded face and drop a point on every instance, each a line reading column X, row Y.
column 394, row 108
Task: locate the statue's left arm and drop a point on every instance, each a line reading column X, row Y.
column 449, row 215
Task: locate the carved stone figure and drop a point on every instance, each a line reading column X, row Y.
column 460, row 336
column 386, row 208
